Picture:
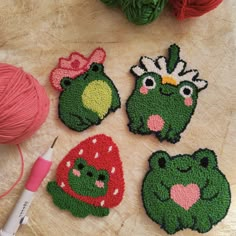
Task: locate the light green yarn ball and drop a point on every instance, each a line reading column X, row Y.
column 139, row 12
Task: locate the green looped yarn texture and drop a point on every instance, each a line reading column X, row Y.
column 139, row 12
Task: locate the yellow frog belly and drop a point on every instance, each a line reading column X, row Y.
column 97, row 96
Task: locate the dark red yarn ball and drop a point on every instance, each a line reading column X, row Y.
column 192, row 8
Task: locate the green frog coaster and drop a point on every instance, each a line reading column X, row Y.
column 165, row 96
column 89, row 179
column 88, row 95
column 185, row 191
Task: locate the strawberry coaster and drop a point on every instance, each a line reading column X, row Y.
column 88, row 95
column 165, row 96
column 185, row 191
column 89, row 180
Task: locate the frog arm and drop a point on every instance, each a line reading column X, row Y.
column 209, row 191
column 60, row 198
column 115, row 96
column 162, row 193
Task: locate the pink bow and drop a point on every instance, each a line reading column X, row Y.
column 74, row 66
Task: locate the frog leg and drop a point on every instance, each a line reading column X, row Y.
column 79, row 209
column 173, row 136
column 138, row 126
column 86, row 119
column 73, row 121
column 161, row 135
column 171, row 223
column 135, row 124
column 100, row 212
column 202, row 223
column 83, row 209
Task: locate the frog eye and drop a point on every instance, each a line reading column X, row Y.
column 206, row 158
column 101, row 177
column 162, row 162
column 204, row 162
column 186, row 91
column 66, row 82
column 90, row 174
column 95, row 67
column 159, row 160
column 149, row 82
column 80, row 166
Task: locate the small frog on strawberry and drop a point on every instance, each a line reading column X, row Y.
column 89, row 179
column 165, row 96
column 185, row 191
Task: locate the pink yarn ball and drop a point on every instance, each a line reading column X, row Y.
column 24, row 105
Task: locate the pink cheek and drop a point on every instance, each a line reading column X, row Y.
column 143, row 90
column 99, row 184
column 188, row 102
column 76, row 172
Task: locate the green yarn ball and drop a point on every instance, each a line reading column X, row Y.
column 110, row 2
column 140, row 12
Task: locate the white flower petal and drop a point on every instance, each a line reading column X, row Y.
column 149, row 64
column 137, row 70
column 162, row 63
column 201, row 84
column 179, row 67
column 188, row 76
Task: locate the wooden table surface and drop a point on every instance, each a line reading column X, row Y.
column 34, row 34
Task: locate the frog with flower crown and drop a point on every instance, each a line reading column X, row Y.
column 165, row 96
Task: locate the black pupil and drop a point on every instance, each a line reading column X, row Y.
column 101, row 177
column 162, row 163
column 204, row 162
column 187, row 91
column 149, row 82
column 95, row 68
column 67, row 82
column 90, row 174
column 80, row 166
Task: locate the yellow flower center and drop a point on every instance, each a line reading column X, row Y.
column 168, row 80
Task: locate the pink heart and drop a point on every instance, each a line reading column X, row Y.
column 185, row 196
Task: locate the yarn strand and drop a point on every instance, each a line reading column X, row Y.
column 20, row 176
column 24, row 107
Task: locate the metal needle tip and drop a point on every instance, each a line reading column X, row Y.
column 54, row 142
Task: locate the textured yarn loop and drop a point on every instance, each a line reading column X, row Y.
column 193, row 8
column 20, row 176
column 24, row 106
column 139, row 12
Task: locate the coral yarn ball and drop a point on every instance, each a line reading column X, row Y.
column 193, row 8
column 24, row 104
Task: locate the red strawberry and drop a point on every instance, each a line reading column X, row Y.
column 102, row 153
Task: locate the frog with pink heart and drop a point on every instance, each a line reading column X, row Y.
column 185, row 191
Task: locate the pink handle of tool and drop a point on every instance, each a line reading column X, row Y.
column 38, row 172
